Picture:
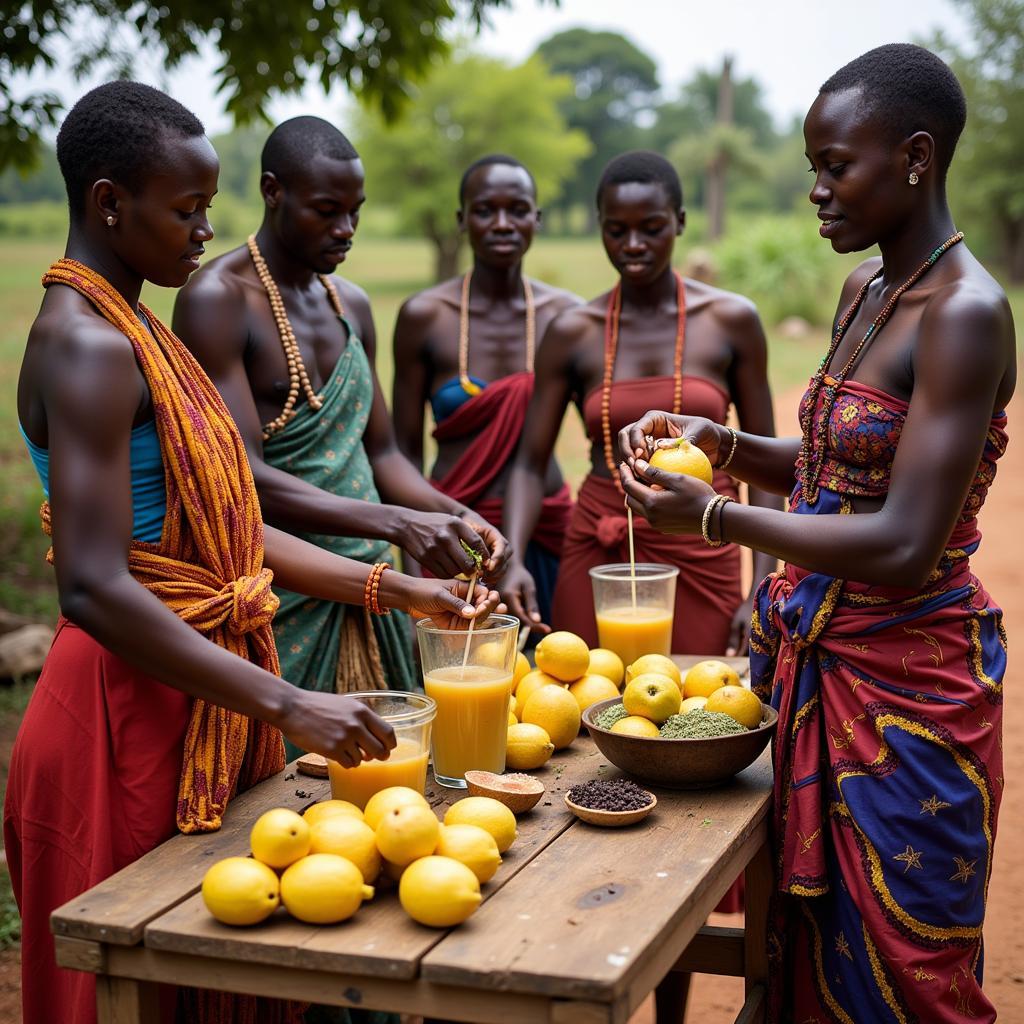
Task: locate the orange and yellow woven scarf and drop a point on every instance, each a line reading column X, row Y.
column 208, row 566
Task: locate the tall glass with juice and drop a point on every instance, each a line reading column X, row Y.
column 411, row 716
column 471, row 687
column 634, row 608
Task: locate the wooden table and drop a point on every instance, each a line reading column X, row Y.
column 577, row 927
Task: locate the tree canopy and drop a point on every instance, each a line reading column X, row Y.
column 614, row 87
column 264, row 48
column 469, row 107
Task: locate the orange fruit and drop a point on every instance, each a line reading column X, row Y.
column 556, row 711
column 707, row 676
column 679, row 456
column 738, row 703
column 634, row 725
column 651, row 696
column 529, row 685
column 592, row 688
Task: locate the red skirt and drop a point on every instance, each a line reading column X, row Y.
column 93, row 786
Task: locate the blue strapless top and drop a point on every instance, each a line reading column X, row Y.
column 450, row 395
column 149, row 490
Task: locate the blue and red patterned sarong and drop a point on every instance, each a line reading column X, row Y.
column 888, row 761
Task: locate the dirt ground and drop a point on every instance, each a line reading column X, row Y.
column 1000, row 564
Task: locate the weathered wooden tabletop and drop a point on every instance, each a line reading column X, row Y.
column 579, row 923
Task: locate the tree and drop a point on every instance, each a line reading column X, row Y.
column 265, row 48
column 985, row 179
column 469, row 107
column 614, row 87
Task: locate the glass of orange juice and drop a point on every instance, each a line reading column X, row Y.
column 411, row 716
column 634, row 609
column 472, row 692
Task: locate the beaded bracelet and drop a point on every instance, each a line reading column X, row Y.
column 705, row 522
column 721, row 518
column 371, row 594
column 732, row 450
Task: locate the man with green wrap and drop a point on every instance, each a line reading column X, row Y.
column 291, row 349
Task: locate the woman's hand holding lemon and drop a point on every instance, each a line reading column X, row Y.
column 677, row 506
column 636, row 439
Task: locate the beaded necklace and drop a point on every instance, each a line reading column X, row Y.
column 812, row 450
column 531, row 333
column 611, row 344
column 297, row 376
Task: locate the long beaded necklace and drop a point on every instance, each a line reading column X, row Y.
column 531, row 333
column 812, row 449
column 611, row 344
column 297, row 376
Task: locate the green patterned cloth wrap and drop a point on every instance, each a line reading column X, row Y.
column 325, row 448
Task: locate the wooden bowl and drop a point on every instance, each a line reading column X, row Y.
column 519, row 793
column 611, row 819
column 680, row 764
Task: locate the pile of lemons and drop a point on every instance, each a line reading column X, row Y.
column 656, row 689
column 548, row 701
column 330, row 857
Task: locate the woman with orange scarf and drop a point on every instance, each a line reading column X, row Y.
column 161, row 695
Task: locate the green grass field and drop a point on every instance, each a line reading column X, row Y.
column 390, row 270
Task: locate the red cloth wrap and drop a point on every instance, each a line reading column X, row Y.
column 494, row 419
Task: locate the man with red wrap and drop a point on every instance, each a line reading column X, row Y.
column 487, row 322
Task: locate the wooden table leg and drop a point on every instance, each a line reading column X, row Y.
column 126, row 1001
column 758, row 882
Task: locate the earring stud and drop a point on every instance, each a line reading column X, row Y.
column 110, row 221
column 913, row 179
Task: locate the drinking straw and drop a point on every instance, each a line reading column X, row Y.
column 632, row 556
column 472, row 622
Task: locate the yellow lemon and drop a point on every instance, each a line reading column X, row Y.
column 279, row 837
column 592, row 688
column 513, row 707
column 489, row 814
column 472, row 846
column 240, row 890
column 692, row 704
column 606, row 663
column 328, row 809
column 634, row 725
column 707, row 676
column 407, row 833
column 737, row 702
column 492, row 654
column 651, row 696
column 512, row 720
column 556, row 711
column 657, row 663
column 522, row 667
column 530, row 684
column 439, row 891
column 350, row 838
column 387, row 800
column 323, row 888
column 679, row 456
column 528, row 747
column 562, row 655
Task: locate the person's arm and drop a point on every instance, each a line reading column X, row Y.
column 397, row 479
column 210, row 318
column 409, row 391
column 90, row 400
column 752, row 397
column 964, row 350
column 552, row 392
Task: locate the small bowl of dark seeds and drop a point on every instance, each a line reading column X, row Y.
column 610, row 802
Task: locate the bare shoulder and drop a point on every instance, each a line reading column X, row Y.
column 577, row 323
column 734, row 312
column 858, row 278
column 972, row 306
column 557, row 298
column 72, row 332
column 420, row 309
column 220, row 284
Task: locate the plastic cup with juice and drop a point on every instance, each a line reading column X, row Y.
column 471, row 725
column 634, row 629
column 411, row 716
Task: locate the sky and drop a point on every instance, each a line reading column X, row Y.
column 789, row 46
